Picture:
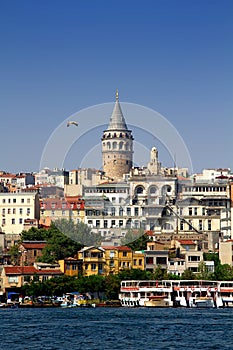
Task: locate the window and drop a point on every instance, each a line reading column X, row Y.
column 195, row 211
column 28, row 200
column 194, row 258
column 14, row 200
column 14, row 211
column 97, row 223
column 150, row 260
column 22, row 200
column 28, row 211
column 9, row 200
column 93, row 266
column 105, row 223
column 3, row 221
column 190, row 211
column 209, row 225
column 136, row 211
column 181, row 225
column 140, row 262
column 161, row 260
column 113, row 211
column 13, row 279
column 52, row 213
column 13, row 221
column 20, row 221
column 120, row 223
column 113, row 223
column 3, row 211
column 128, row 210
column 135, row 262
column 203, row 211
column 200, row 225
column 124, row 253
column 8, row 211
column 63, row 212
column 3, row 201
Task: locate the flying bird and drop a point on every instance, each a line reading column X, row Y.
column 71, row 123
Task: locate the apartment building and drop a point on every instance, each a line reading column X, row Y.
column 16, row 209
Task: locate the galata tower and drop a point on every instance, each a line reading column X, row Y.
column 117, row 145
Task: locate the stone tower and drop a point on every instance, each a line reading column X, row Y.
column 154, row 165
column 117, row 145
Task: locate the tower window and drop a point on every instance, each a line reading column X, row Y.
column 114, row 145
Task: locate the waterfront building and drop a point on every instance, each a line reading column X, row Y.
column 14, row 277
column 71, row 266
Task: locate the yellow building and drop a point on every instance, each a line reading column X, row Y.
column 93, row 260
column 71, row 266
column 109, row 260
column 119, row 258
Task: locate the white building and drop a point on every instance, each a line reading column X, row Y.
column 17, row 209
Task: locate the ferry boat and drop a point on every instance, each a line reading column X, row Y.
column 196, row 293
column 225, row 289
column 184, row 293
column 148, row 293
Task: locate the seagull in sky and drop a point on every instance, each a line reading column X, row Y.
column 71, row 123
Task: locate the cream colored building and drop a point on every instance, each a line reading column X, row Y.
column 16, row 209
column 226, row 252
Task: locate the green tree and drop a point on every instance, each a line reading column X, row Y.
column 203, row 272
column 112, row 287
column 14, row 254
column 223, row 272
column 79, row 232
column 188, row 275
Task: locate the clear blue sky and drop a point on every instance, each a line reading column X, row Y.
column 174, row 56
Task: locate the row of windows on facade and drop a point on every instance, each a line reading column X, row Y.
column 205, row 189
column 14, row 200
column 118, row 146
column 14, row 211
column 138, row 224
column 13, row 221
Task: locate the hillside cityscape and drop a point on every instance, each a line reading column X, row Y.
column 121, row 217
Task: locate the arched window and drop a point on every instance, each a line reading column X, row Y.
column 127, row 146
column 121, row 145
column 114, row 145
column 139, row 189
column 108, row 145
column 153, row 190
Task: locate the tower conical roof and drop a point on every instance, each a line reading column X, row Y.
column 117, row 121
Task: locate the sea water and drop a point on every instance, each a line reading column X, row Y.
column 116, row 328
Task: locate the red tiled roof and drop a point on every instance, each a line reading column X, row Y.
column 186, row 242
column 122, row 248
column 30, row 270
column 34, row 245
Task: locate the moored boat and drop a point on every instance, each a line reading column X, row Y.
column 136, row 293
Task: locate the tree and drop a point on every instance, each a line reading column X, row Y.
column 188, row 275
column 135, row 240
column 224, row 272
column 14, row 253
column 79, row 232
column 203, row 272
column 112, row 287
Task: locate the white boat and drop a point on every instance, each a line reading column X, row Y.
column 148, row 293
column 196, row 293
column 226, row 292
